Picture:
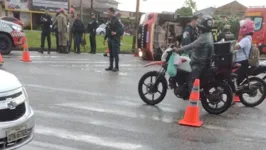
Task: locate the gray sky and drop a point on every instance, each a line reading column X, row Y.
column 172, row 5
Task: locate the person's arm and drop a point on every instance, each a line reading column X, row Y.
column 192, row 46
column 243, row 43
column 55, row 21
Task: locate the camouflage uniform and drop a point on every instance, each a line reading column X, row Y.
column 71, row 20
column 61, row 22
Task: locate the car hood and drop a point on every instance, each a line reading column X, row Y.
column 8, row 81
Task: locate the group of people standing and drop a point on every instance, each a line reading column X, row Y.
column 114, row 33
column 67, row 27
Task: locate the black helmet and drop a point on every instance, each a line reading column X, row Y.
column 205, row 23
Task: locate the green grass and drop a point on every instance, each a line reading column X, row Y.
column 34, row 41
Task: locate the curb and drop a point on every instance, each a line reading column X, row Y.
column 53, row 50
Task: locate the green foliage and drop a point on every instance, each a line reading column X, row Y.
column 232, row 21
column 185, row 11
column 191, row 4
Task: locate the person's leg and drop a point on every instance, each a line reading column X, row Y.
column 91, row 44
column 94, row 43
column 111, row 58
column 42, row 42
column 195, row 74
column 75, row 43
column 116, row 47
column 242, row 71
column 49, row 42
column 65, row 49
column 57, row 41
column 79, row 42
column 60, row 41
column 70, row 41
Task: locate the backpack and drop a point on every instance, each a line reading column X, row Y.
column 254, row 55
column 121, row 29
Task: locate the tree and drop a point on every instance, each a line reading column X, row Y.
column 191, row 4
column 184, row 11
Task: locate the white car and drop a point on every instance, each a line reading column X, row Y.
column 101, row 29
column 16, row 115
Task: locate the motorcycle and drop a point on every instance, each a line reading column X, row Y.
column 253, row 71
column 214, row 90
column 222, row 81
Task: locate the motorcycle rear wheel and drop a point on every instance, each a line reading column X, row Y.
column 262, row 89
column 152, row 90
column 215, row 98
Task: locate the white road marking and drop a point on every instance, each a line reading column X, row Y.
column 36, row 145
column 136, row 114
column 78, row 136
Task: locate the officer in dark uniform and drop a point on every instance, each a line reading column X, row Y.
column 215, row 31
column 113, row 33
column 46, row 21
column 92, row 26
column 190, row 33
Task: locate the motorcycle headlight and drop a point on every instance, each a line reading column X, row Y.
column 17, row 28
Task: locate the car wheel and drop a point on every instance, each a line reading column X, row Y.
column 5, row 44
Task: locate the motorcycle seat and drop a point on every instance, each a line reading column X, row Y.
column 236, row 66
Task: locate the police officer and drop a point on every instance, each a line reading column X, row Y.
column 190, row 33
column 226, row 34
column 201, row 50
column 92, row 26
column 61, row 22
column 215, row 31
column 46, row 21
column 113, row 34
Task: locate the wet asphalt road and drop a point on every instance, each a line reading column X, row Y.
column 79, row 106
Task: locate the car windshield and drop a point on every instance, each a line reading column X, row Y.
column 257, row 21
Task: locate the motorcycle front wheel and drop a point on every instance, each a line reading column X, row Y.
column 148, row 91
column 256, row 91
column 216, row 98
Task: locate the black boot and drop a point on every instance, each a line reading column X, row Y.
column 40, row 50
column 48, row 52
column 109, row 68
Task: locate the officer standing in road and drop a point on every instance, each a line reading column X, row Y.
column 46, row 21
column 190, row 33
column 61, row 22
column 92, row 26
column 113, row 35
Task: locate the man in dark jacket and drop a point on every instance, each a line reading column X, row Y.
column 201, row 50
column 46, row 21
column 113, row 34
column 78, row 30
column 190, row 33
column 92, row 26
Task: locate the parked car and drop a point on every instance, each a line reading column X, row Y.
column 13, row 19
column 101, row 29
column 16, row 115
column 11, row 35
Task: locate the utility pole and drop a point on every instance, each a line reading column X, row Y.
column 136, row 26
column 91, row 7
column 81, row 9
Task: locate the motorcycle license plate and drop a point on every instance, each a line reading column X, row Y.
column 16, row 133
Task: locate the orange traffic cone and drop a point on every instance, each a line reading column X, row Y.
column 26, row 53
column 1, row 59
column 191, row 117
